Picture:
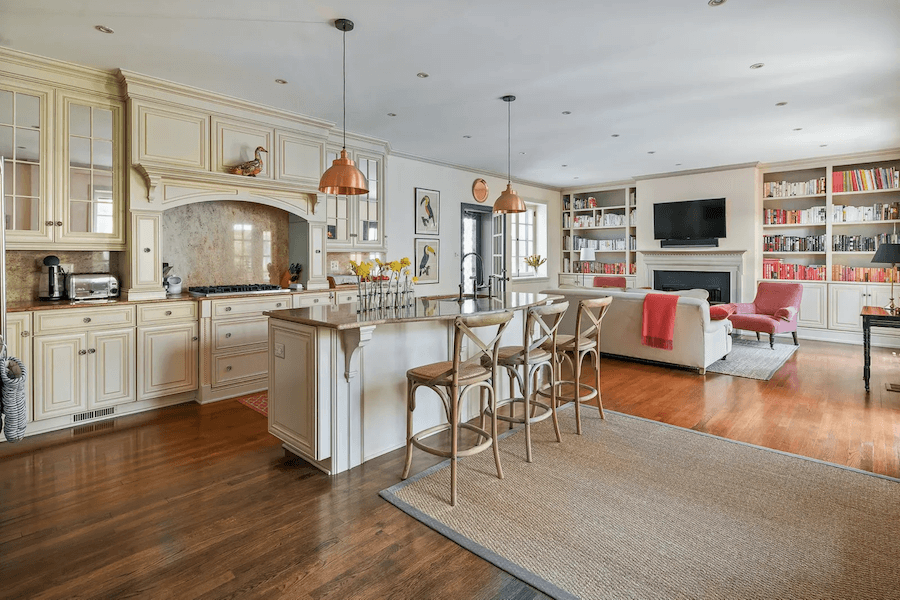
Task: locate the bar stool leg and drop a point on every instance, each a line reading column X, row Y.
column 454, row 440
column 526, row 393
column 512, row 394
column 553, row 381
column 481, row 394
column 494, row 429
column 579, row 358
column 599, row 400
column 410, row 400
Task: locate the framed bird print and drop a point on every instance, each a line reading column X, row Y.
column 427, row 260
column 428, row 212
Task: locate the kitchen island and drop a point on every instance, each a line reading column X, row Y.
column 337, row 377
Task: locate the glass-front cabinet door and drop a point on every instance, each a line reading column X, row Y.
column 354, row 222
column 337, row 210
column 23, row 147
column 369, row 214
column 92, row 196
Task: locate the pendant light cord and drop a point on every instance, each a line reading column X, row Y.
column 344, row 73
column 508, row 143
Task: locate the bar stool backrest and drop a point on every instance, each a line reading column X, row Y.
column 542, row 324
column 590, row 315
column 491, row 349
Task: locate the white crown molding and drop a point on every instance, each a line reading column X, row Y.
column 747, row 165
column 609, row 186
column 836, row 159
column 59, row 73
column 440, row 163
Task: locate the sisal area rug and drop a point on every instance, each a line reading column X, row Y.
column 753, row 360
column 258, row 402
column 639, row 509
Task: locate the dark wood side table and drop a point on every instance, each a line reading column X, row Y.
column 874, row 316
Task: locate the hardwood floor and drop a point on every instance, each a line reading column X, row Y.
column 200, row 502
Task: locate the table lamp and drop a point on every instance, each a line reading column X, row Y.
column 588, row 255
column 889, row 254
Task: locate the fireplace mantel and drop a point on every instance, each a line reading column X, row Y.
column 729, row 261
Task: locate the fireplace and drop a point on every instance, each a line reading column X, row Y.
column 718, row 284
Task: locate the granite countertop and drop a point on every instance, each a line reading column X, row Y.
column 443, row 308
column 56, row 304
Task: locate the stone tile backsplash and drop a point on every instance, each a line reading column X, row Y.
column 23, row 269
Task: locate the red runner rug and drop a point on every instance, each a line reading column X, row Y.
column 258, row 402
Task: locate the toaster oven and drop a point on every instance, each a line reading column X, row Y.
column 91, row 286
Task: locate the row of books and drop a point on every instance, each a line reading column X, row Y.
column 881, row 211
column 864, row 180
column 777, row 216
column 794, row 243
column 862, row 243
column 604, row 220
column 873, row 274
column 774, row 268
column 785, row 189
column 599, row 268
column 576, row 242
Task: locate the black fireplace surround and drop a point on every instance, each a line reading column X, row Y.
column 718, row 284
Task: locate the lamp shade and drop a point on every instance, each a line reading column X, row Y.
column 343, row 178
column 587, row 254
column 887, row 254
column 509, row 202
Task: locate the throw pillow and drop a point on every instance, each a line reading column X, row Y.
column 786, row 314
column 717, row 312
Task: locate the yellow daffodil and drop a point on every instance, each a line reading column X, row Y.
column 405, row 261
column 395, row 266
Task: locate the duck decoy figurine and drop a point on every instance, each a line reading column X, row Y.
column 251, row 167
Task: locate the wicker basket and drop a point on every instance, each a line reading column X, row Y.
column 12, row 396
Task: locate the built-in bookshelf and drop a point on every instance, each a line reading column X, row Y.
column 825, row 223
column 604, row 220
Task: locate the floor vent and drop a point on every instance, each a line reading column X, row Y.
column 93, row 414
column 94, row 427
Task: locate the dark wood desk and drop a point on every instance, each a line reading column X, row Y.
column 874, row 316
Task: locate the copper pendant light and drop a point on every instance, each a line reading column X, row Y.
column 509, row 201
column 343, row 178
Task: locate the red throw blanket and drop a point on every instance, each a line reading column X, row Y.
column 658, row 327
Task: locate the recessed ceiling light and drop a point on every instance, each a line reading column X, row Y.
column 281, row 81
column 574, row 178
column 521, row 153
column 822, row 145
column 422, row 75
column 677, row 164
column 467, row 136
column 103, row 29
column 392, row 114
column 781, row 104
column 615, row 135
column 565, row 165
column 716, row 2
column 798, row 129
column 757, row 65
column 567, row 112
column 652, row 152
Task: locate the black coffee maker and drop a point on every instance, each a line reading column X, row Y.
column 53, row 280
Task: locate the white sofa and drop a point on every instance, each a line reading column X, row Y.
column 698, row 342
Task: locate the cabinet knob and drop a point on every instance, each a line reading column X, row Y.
column 92, row 350
column 59, row 223
column 278, row 305
column 318, row 252
column 316, row 300
column 227, row 309
column 82, row 352
column 227, row 335
column 228, row 368
column 168, row 313
column 49, row 223
column 25, row 334
column 146, row 250
column 194, row 339
column 86, row 319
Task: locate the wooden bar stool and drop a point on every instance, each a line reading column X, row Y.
column 450, row 380
column 541, row 325
column 575, row 348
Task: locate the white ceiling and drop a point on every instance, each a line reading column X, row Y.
column 669, row 76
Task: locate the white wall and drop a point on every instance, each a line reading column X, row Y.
column 455, row 186
column 743, row 208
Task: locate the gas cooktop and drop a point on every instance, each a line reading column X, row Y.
column 236, row 290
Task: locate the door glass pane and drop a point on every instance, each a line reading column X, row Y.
column 28, row 145
column 103, row 124
column 80, row 152
column 79, row 213
column 27, row 214
column 9, row 210
column 103, row 158
column 6, row 141
column 79, row 120
column 6, row 107
column 102, row 187
column 28, row 111
column 28, row 180
column 79, row 184
column 7, row 176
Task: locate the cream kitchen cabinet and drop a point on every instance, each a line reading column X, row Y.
column 19, row 342
column 75, row 372
column 357, row 222
column 846, row 301
column 167, row 349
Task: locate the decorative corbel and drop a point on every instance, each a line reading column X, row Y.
column 354, row 341
column 153, row 181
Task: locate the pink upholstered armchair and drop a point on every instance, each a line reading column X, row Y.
column 774, row 310
column 610, row 282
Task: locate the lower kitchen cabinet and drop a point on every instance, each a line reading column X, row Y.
column 75, row 372
column 19, row 342
column 167, row 360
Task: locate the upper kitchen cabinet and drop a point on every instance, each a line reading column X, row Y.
column 299, row 158
column 25, row 146
column 357, row 222
column 179, row 138
column 236, row 142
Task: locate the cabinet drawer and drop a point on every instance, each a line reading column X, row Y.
column 234, row 333
column 305, row 300
column 347, row 297
column 235, row 368
column 79, row 319
column 166, row 312
column 248, row 306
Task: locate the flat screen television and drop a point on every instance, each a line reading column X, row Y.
column 691, row 220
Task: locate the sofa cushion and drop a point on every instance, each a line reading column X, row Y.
column 717, row 312
column 699, row 294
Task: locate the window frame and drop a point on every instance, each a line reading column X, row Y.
column 536, row 245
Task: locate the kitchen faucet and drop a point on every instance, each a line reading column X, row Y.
column 476, row 286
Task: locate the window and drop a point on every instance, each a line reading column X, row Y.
column 528, row 233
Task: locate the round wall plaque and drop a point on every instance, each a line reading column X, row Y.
column 480, row 190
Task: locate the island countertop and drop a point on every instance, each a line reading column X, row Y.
column 345, row 316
